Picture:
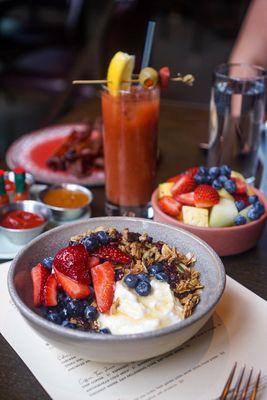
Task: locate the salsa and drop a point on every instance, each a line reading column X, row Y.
column 19, row 219
column 65, row 198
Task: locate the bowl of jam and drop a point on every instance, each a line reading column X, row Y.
column 67, row 201
column 22, row 221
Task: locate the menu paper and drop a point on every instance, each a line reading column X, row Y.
column 196, row 370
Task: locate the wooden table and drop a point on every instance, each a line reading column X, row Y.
column 182, row 127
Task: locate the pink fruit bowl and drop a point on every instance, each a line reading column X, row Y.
column 225, row 241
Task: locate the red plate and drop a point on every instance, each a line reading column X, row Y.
column 33, row 150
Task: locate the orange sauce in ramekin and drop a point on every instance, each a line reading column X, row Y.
column 60, row 197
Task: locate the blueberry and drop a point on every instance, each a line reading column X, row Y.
column 143, row 277
column 253, row 199
column 240, row 205
column 155, row 268
column 199, row 179
column 75, row 308
column 47, row 262
column 103, row 237
column 161, row 276
column 131, row 280
column 55, row 317
column 68, row 324
column 230, row 186
column 208, row 179
column 253, row 214
column 64, row 313
column 202, row 170
column 240, row 220
column 258, row 207
column 143, row 288
column 225, row 170
column 105, row 331
column 61, row 298
column 217, row 184
column 214, row 172
column 90, row 242
column 222, row 179
column 118, row 274
column 90, row 313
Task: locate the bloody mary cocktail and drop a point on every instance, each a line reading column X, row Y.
column 130, row 147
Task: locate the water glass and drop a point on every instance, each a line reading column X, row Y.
column 237, row 110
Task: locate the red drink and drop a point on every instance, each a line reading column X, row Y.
column 130, row 147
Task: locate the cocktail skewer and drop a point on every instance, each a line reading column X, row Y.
column 188, row 79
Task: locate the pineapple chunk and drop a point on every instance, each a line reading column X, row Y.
column 165, row 189
column 225, row 195
column 195, row 216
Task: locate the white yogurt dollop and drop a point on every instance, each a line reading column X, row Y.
column 136, row 314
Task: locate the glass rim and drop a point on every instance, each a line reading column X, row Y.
column 254, row 67
column 105, row 89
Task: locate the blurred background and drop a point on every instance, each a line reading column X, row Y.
column 45, row 44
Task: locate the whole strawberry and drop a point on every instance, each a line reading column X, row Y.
column 73, row 261
column 206, row 196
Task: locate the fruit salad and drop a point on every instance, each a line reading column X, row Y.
column 213, row 197
column 115, row 282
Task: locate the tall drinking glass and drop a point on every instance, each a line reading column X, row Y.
column 130, row 148
column 236, row 116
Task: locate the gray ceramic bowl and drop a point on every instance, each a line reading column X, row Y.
column 24, row 236
column 63, row 213
column 111, row 348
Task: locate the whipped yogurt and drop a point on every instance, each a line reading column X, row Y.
column 136, row 314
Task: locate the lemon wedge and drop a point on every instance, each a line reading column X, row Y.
column 120, row 70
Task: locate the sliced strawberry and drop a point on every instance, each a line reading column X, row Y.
column 192, row 171
column 206, row 196
column 170, row 206
column 175, row 178
column 76, row 290
column 93, row 261
column 39, row 276
column 50, row 291
column 187, row 199
column 241, row 186
column 184, row 184
column 241, row 196
column 104, row 285
column 72, row 261
column 112, row 253
column 164, row 77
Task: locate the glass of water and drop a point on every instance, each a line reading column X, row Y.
column 237, row 110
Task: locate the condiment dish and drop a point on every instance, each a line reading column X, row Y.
column 24, row 236
column 65, row 213
column 117, row 348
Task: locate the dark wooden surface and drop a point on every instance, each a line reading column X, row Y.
column 182, row 127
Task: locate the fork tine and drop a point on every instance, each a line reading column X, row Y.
column 228, row 383
column 238, row 384
column 256, row 387
column 245, row 391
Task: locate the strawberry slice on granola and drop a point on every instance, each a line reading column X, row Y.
column 112, row 253
column 103, row 276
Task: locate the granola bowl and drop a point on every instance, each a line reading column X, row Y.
column 132, row 346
